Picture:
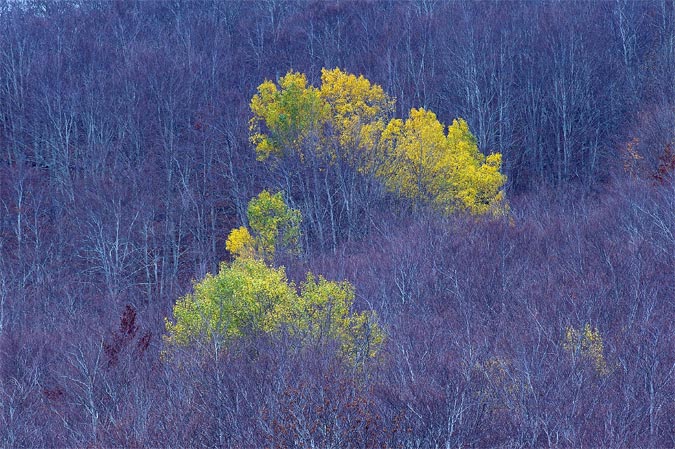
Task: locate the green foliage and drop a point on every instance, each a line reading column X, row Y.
column 274, row 225
column 290, row 113
column 227, row 305
column 326, row 314
column 322, row 313
column 249, row 296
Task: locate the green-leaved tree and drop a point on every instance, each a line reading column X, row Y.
column 249, row 295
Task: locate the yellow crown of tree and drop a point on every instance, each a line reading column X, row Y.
column 350, row 118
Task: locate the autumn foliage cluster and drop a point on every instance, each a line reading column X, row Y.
column 337, row 224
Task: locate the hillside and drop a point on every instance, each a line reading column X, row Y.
column 405, row 224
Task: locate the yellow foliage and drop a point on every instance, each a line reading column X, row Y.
column 587, row 342
column 416, row 149
column 338, row 120
column 357, row 109
column 447, row 170
column 240, row 243
column 348, row 119
column 275, row 226
column 502, row 389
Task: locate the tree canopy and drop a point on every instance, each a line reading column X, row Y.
column 348, row 118
column 249, row 296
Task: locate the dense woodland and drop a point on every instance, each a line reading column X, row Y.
column 128, row 165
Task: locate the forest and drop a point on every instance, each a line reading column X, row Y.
column 337, row 224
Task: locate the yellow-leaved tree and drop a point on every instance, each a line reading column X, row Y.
column 357, row 113
column 250, row 296
column 424, row 163
column 291, row 113
column 587, row 344
column 346, row 124
column 317, row 143
column 336, row 119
